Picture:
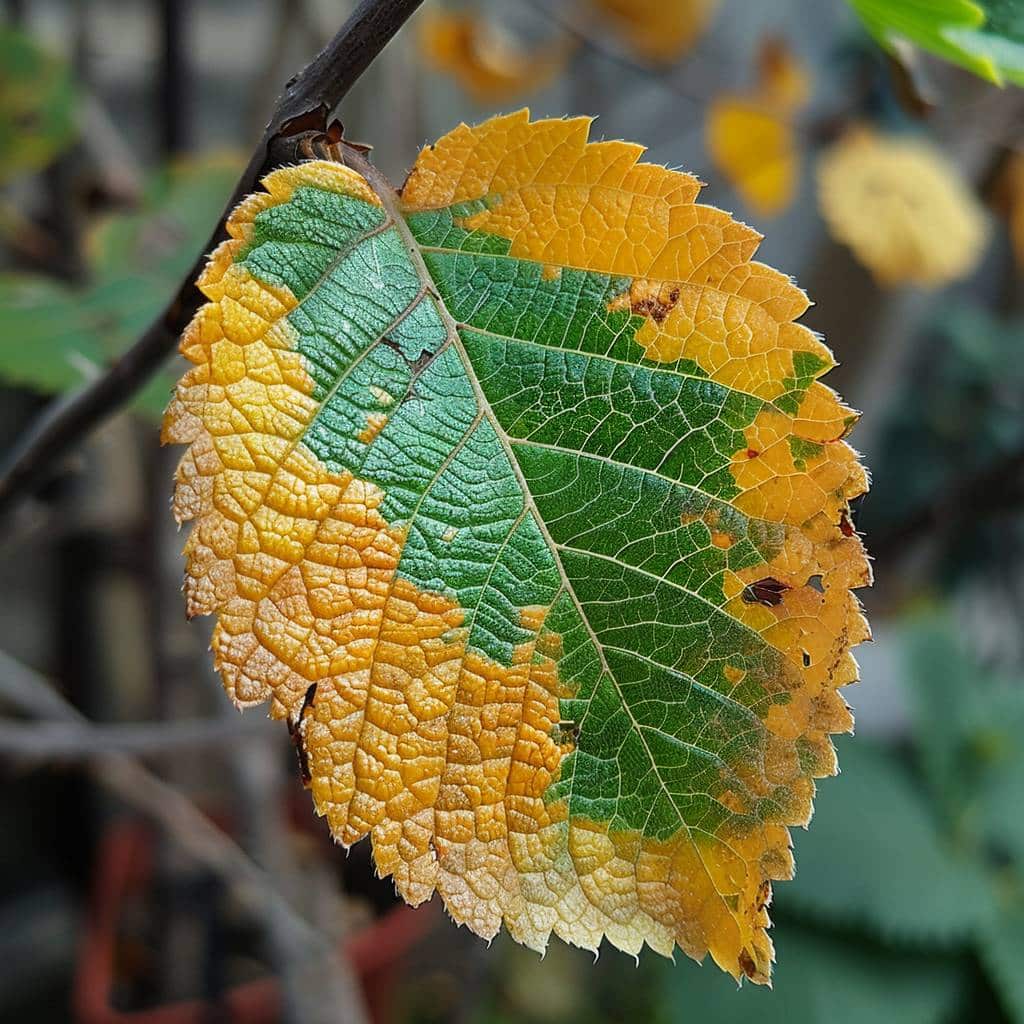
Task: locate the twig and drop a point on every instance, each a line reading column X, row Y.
column 173, row 95
column 305, row 104
column 67, row 741
column 144, row 791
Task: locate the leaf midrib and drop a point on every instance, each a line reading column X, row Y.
column 385, row 192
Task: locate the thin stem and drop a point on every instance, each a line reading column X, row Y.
column 304, row 105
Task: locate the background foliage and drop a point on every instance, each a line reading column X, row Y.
column 909, row 900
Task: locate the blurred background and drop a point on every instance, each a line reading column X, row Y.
column 159, row 861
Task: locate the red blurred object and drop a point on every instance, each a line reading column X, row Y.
column 124, row 866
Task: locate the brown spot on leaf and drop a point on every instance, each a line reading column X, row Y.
column 764, row 895
column 845, row 526
column 746, row 962
column 657, row 307
column 768, row 591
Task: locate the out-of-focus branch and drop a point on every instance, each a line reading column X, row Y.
column 68, row 741
column 305, row 104
column 138, row 787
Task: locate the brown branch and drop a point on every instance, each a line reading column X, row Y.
column 305, row 105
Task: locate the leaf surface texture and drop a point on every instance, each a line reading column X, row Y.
column 517, row 495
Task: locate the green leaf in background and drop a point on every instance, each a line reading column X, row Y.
column 875, row 859
column 1000, row 946
column 56, row 337
column 1000, row 42
column 37, row 105
column 819, row 979
column 968, row 722
column 960, row 413
column 987, row 36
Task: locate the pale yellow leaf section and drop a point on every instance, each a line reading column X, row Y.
column 482, row 60
column 565, row 202
column 902, row 207
column 659, row 30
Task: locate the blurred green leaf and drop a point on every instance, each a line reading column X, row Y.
column 37, row 105
column 1000, row 42
column 942, row 682
column 819, row 978
column 960, row 414
column 57, row 337
column 986, row 37
column 875, row 858
column 968, row 722
column 1001, row 946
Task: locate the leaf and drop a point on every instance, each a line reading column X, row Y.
column 823, row 978
column 986, row 37
column 58, row 337
column 902, row 207
column 37, row 105
column 517, row 496
column 967, row 721
column 752, row 137
column 658, row 30
column 489, row 66
column 875, row 859
column 1000, row 948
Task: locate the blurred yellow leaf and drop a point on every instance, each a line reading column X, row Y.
column 751, row 137
column 755, row 149
column 484, row 60
column 659, row 30
column 784, row 79
column 902, row 208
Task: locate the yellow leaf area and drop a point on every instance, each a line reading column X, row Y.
column 486, row 64
column 752, row 137
column 441, row 754
column 902, row 207
column 659, row 30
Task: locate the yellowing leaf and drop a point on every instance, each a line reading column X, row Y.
column 659, row 30
column 784, row 80
column 902, row 208
column 756, row 150
column 482, row 60
column 515, row 493
column 752, row 138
